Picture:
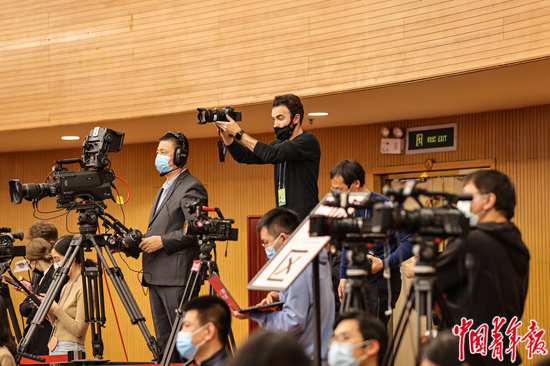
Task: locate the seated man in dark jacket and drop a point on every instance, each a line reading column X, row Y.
column 486, row 276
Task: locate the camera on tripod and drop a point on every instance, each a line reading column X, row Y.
column 7, row 249
column 217, row 115
column 445, row 221
column 91, row 183
column 209, row 228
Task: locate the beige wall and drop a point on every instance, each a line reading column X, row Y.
column 69, row 62
column 516, row 139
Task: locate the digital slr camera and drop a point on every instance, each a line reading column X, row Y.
column 217, row 115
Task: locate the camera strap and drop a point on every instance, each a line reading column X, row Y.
column 222, row 149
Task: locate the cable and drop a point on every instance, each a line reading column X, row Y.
column 127, row 187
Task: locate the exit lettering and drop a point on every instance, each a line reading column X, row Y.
column 435, row 139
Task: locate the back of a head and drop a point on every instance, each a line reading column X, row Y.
column 442, row 350
column 292, row 102
column 271, row 349
column 43, row 229
column 38, row 248
column 212, row 309
column 492, row 181
column 370, row 327
column 279, row 220
column 349, row 170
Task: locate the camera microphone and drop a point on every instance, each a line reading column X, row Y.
column 170, row 171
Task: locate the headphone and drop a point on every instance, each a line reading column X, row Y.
column 182, row 152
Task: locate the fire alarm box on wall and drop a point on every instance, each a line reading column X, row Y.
column 392, row 146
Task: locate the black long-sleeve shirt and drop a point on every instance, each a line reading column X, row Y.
column 296, row 166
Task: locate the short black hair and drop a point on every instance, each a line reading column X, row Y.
column 62, row 246
column 292, row 102
column 369, row 326
column 279, row 220
column 492, row 181
column 212, row 309
column 349, row 170
column 171, row 136
column 271, row 349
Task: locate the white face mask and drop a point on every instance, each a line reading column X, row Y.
column 465, row 207
column 341, row 354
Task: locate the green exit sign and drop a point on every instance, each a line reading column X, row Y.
column 430, row 139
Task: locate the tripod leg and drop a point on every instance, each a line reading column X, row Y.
column 96, row 318
column 121, row 287
column 389, row 358
column 9, row 304
column 60, row 277
column 176, row 327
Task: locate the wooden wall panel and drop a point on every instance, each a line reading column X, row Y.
column 516, row 139
column 70, row 62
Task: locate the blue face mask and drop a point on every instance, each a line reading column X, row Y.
column 185, row 346
column 270, row 251
column 341, row 354
column 162, row 163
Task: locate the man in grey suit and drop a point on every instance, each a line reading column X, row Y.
column 168, row 254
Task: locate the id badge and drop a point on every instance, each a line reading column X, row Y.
column 52, row 343
column 282, row 197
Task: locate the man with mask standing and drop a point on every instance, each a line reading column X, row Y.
column 168, row 254
column 486, row 276
column 295, row 154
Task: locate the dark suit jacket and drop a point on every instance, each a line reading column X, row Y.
column 171, row 265
column 38, row 344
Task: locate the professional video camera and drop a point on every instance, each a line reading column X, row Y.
column 445, row 221
column 92, row 183
column 217, row 115
column 208, row 228
column 7, row 249
column 349, row 227
column 354, row 233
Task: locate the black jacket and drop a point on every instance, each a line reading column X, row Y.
column 486, row 276
column 38, row 344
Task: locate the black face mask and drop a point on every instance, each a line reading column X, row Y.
column 283, row 133
column 40, row 273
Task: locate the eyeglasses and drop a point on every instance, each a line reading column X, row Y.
column 341, row 190
column 269, row 244
column 343, row 338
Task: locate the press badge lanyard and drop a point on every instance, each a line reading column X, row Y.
column 281, row 186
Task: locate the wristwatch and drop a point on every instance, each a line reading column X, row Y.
column 239, row 134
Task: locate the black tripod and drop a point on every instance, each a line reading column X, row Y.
column 5, row 293
column 357, row 291
column 422, row 294
column 201, row 271
column 87, row 221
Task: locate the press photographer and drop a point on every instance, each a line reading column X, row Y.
column 486, row 275
column 295, row 154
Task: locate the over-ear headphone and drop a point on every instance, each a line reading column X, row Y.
column 182, row 152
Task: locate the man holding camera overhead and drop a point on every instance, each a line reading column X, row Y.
column 295, row 154
column 168, row 254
